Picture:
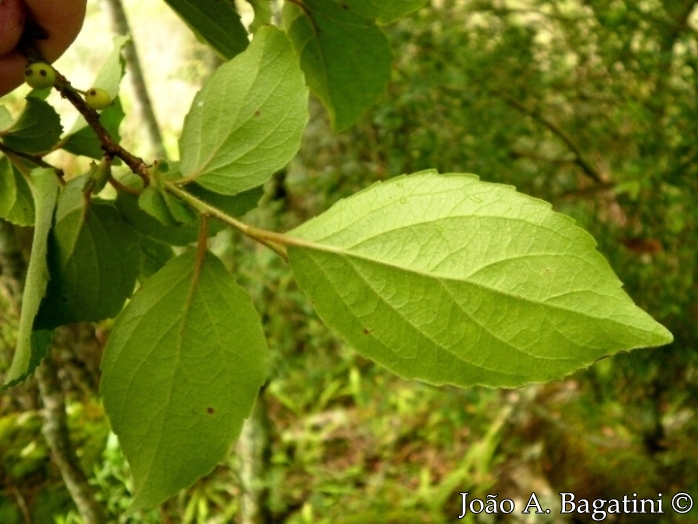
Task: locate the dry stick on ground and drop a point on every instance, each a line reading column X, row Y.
column 57, row 435
column 143, row 101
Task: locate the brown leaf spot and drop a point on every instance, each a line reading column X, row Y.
column 210, row 411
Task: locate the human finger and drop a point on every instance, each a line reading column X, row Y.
column 59, row 20
column 11, row 24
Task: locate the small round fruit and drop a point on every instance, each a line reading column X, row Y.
column 40, row 75
column 97, row 98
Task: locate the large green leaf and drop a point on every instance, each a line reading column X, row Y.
column 182, row 370
column 37, row 129
column 93, row 261
column 384, row 11
column 452, row 280
column 345, row 57
column 16, row 201
column 215, row 23
column 32, row 345
column 248, row 120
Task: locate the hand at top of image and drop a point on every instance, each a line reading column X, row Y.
column 56, row 22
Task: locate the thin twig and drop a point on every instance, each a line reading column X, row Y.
column 123, row 187
column 22, row 503
column 109, row 145
column 16, row 158
column 67, row 91
column 559, row 132
column 31, row 157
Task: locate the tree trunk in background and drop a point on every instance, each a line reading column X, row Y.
column 57, row 435
column 254, row 449
column 143, row 104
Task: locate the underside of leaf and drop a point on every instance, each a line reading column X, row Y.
column 452, row 280
column 32, row 345
column 345, row 56
column 248, row 119
column 181, row 372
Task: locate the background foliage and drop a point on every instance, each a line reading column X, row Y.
column 591, row 105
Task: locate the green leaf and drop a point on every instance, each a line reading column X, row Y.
column 154, row 255
column 214, row 23
column 181, row 372
column 235, row 206
column 37, row 129
column 153, row 202
column 83, row 140
column 384, row 11
column 345, row 57
column 452, row 280
column 248, row 120
column 97, row 177
column 32, row 345
column 93, row 261
column 183, row 234
column 145, row 224
column 112, row 71
column 16, row 201
column 180, row 211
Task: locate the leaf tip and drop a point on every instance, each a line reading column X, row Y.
column 666, row 337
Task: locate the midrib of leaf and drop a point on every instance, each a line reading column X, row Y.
column 389, row 305
column 196, row 272
column 313, row 24
column 198, row 172
column 220, row 343
column 346, row 254
column 315, row 32
column 396, row 199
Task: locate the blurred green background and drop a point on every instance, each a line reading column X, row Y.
column 591, row 105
